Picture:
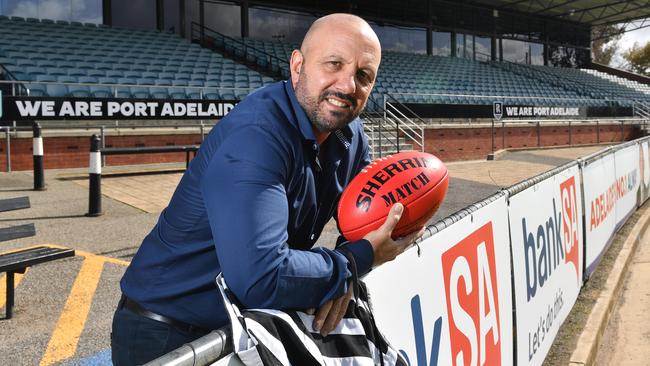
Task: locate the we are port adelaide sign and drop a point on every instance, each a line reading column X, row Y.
column 547, row 260
column 452, row 303
column 46, row 108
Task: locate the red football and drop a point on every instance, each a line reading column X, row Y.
column 418, row 180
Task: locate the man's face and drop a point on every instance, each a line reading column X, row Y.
column 334, row 76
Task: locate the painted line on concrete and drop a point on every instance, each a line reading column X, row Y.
column 64, row 339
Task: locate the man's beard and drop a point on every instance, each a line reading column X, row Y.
column 324, row 121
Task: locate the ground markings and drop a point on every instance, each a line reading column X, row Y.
column 65, row 337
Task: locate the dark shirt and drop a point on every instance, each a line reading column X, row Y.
column 251, row 205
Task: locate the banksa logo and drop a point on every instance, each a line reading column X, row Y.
column 553, row 242
column 471, row 288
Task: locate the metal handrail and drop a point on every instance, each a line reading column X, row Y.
column 15, row 80
column 270, row 57
column 481, row 96
column 246, row 45
column 641, row 109
column 376, row 116
column 404, row 128
column 412, row 126
column 114, row 87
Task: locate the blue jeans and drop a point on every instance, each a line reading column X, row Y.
column 136, row 340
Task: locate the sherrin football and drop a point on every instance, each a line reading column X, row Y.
column 416, row 179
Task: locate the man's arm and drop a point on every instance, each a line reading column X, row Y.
column 247, row 206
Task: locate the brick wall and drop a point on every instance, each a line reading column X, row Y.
column 458, row 143
column 475, row 143
column 72, row 151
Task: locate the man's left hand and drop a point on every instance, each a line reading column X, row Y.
column 330, row 314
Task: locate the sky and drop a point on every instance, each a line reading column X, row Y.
column 640, row 36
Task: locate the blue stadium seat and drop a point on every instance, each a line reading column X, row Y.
column 126, row 81
column 37, row 90
column 79, row 91
column 107, row 80
column 140, row 92
column 47, row 77
column 100, row 91
column 57, row 90
column 193, row 93
column 177, row 93
column 114, row 74
column 180, row 82
column 211, row 94
column 163, row 82
column 96, row 73
column 159, row 93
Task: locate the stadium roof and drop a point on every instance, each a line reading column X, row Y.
column 592, row 12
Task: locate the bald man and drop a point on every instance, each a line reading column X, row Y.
column 254, row 201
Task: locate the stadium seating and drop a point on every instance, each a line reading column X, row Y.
column 643, row 88
column 416, row 78
column 53, row 57
column 152, row 64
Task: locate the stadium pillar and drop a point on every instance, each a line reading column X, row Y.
column 39, row 176
column 181, row 17
column 453, row 44
column 202, row 19
column 244, row 18
column 106, row 12
column 160, row 15
column 95, row 178
column 8, row 149
column 429, row 29
column 545, row 53
column 493, row 48
column 501, row 49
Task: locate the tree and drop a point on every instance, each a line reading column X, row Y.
column 605, row 42
column 638, row 58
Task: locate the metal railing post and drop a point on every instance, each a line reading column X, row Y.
column 39, row 172
column 597, row 132
column 492, row 136
column 539, row 139
column 103, row 139
column 95, row 178
column 570, row 132
column 8, row 150
column 397, row 133
column 202, row 132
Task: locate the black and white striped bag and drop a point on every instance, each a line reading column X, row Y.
column 273, row 337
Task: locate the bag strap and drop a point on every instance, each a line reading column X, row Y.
column 352, row 266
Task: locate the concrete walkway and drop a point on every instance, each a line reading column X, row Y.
column 64, row 309
column 626, row 341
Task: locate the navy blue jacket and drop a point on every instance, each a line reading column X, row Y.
column 251, row 205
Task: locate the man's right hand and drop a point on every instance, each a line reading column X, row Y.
column 384, row 247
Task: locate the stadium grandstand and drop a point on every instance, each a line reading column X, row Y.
column 441, row 59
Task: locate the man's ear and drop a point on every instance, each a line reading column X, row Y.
column 295, row 66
